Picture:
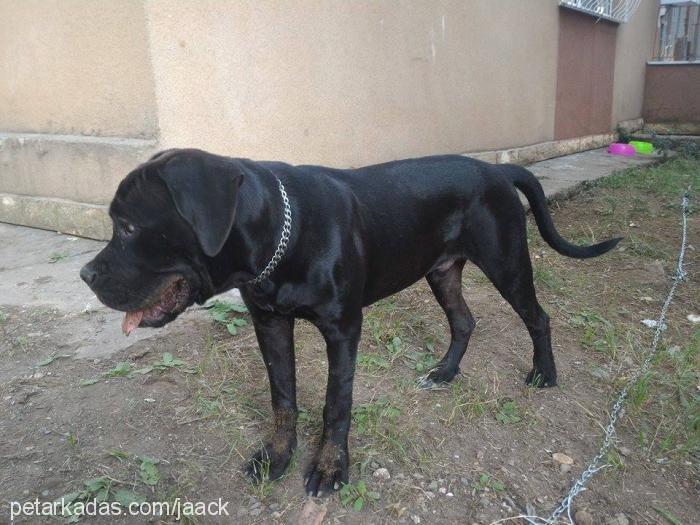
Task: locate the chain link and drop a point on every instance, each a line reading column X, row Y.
column 596, row 463
column 284, row 239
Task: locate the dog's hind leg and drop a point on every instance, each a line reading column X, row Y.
column 507, row 264
column 446, row 284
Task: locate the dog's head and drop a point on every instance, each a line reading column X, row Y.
column 170, row 216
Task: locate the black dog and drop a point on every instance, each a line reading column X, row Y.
column 320, row 244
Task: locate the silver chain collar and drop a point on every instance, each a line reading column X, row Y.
column 284, row 239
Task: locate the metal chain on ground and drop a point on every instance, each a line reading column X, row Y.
column 596, row 463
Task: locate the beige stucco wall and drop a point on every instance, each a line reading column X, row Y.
column 635, row 42
column 76, row 67
column 90, row 88
column 351, row 83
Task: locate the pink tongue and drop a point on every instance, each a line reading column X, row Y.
column 131, row 321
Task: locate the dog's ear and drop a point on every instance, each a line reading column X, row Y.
column 205, row 191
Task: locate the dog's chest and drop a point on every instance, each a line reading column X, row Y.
column 298, row 300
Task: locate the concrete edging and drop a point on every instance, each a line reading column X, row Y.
column 545, row 150
column 64, row 216
column 92, row 220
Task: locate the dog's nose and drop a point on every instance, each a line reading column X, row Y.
column 88, row 274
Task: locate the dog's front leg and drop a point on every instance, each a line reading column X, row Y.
column 276, row 339
column 330, row 465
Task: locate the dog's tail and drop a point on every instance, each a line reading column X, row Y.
column 530, row 186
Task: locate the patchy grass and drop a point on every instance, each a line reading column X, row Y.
column 486, row 438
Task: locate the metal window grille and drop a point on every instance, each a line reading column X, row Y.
column 618, row 11
column 678, row 32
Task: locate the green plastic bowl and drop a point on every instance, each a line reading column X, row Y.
column 641, row 147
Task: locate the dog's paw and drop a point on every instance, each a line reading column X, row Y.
column 541, row 379
column 266, row 465
column 328, row 472
column 437, row 378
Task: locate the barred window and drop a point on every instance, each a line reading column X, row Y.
column 618, row 11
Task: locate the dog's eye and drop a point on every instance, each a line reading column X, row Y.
column 128, row 228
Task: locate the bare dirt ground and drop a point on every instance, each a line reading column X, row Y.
column 178, row 415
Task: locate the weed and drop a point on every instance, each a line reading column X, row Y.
column 167, row 362
column 394, row 346
column 546, row 277
column 57, row 257
column 148, row 471
column 383, row 321
column 118, row 454
column 372, row 362
column 95, row 492
column 598, row 333
column 357, row 495
column 207, row 407
column 467, row 402
column 666, row 514
column 638, row 246
column 423, row 361
column 122, row 369
column 614, row 460
column 366, row 417
column 508, row 412
column 488, row 481
column 304, row 418
column 639, row 393
column 221, row 313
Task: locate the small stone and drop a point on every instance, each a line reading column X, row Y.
column 374, row 465
column 484, row 502
column 382, row 474
column 618, row 519
column 415, row 519
column 433, row 485
column 564, row 468
column 562, row 458
column 44, row 493
column 694, row 318
column 625, row 451
column 583, row 517
column 450, row 495
column 429, row 495
column 442, row 490
column 312, row 513
column 600, row 373
column 653, row 273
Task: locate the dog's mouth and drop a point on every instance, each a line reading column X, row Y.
column 170, row 301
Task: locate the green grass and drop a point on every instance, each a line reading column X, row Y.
column 544, row 275
column 667, row 180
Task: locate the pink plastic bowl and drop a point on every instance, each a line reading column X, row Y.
column 618, row 148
